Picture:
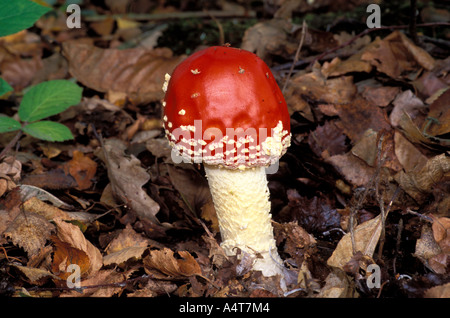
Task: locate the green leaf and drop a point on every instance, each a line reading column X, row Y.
column 4, row 86
column 48, row 99
column 18, row 15
column 8, row 124
column 48, row 130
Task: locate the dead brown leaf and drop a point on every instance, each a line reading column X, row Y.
column 405, row 102
column 366, row 235
column 125, row 254
column 192, row 186
column 36, row 276
column 396, row 54
column 270, row 37
column 428, row 251
column 441, row 291
column 20, row 73
column 358, row 115
column 10, row 173
column 72, row 236
column 128, row 237
column 29, row 231
column 353, row 169
column 163, row 263
column 48, row 211
column 64, row 254
column 380, row 96
column 418, row 183
column 439, row 116
column 82, row 168
column 137, row 72
column 127, row 176
column 55, row 179
column 407, row 154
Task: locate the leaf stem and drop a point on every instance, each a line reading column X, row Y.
column 11, row 144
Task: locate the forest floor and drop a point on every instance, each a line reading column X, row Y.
column 360, row 202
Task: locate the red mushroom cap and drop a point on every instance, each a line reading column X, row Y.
column 223, row 107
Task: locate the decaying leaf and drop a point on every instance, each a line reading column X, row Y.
column 74, row 240
column 407, row 154
column 127, row 177
column 396, row 54
column 441, row 291
column 64, row 254
column 29, row 191
column 82, row 168
column 55, row 179
column 137, row 72
column 166, row 264
column 439, row 115
column 29, row 231
column 10, row 170
column 267, row 38
column 418, row 183
column 191, row 185
column 366, row 234
column 352, row 168
column 427, row 249
column 128, row 237
column 405, row 102
column 338, row 285
column 36, row 276
column 124, row 255
column 48, row 211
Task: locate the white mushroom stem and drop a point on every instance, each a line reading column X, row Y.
column 241, row 200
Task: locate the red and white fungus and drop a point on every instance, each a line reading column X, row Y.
column 223, row 108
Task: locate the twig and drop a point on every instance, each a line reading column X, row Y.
column 299, row 48
column 397, row 244
column 358, row 205
column 11, row 144
column 219, row 26
column 172, row 15
column 380, row 197
column 413, row 22
column 383, row 222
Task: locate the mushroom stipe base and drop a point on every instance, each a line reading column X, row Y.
column 241, row 199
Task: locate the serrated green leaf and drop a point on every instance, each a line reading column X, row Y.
column 18, row 15
column 4, row 87
column 48, row 99
column 48, row 130
column 8, row 124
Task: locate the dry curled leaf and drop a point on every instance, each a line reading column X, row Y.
column 82, row 168
column 427, row 250
column 124, row 255
column 137, row 72
column 29, row 231
column 72, row 236
column 418, row 183
column 64, row 254
column 165, row 262
column 127, row 177
column 366, row 235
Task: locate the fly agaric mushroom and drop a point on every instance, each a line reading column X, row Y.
column 223, row 108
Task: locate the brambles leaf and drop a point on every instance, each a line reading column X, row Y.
column 48, row 99
column 48, row 130
column 8, row 124
column 4, row 87
column 19, row 15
